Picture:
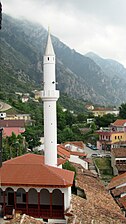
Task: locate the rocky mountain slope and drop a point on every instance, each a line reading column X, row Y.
column 81, row 77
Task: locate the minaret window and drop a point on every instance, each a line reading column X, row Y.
column 48, row 58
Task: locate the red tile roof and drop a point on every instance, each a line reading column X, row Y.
column 61, row 151
column 116, row 181
column 29, row 170
column 119, row 122
column 118, row 191
column 122, row 200
column 16, row 130
column 119, row 152
column 99, row 206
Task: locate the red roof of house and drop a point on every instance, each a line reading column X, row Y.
column 119, row 152
column 119, row 122
column 29, row 170
column 61, row 151
column 16, row 130
column 122, row 200
column 119, row 191
column 116, row 181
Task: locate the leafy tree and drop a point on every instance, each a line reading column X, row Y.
column 81, row 117
column 32, row 137
column 13, row 146
column 61, row 121
column 105, row 120
column 68, row 166
column 122, row 111
column 70, row 118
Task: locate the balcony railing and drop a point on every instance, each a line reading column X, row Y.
column 44, row 211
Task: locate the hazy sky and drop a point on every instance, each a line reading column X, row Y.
column 84, row 25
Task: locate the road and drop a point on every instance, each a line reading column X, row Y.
column 89, row 151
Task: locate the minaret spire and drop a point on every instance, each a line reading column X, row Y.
column 49, row 47
column 49, row 96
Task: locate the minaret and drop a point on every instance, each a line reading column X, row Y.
column 49, row 96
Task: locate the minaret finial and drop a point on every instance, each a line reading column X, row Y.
column 49, row 47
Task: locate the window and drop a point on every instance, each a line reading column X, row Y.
column 115, row 137
column 24, row 197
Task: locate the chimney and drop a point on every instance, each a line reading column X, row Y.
column 1, row 147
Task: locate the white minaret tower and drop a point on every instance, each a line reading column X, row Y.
column 49, row 96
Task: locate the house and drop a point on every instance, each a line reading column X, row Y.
column 33, row 188
column 117, row 188
column 100, row 111
column 77, row 155
column 25, row 98
column 116, row 133
column 26, row 117
column 118, row 160
column 75, row 146
column 37, row 94
column 9, row 126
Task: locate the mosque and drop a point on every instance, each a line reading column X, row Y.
column 34, row 184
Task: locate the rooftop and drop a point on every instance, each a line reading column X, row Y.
column 119, row 122
column 99, row 206
column 119, row 152
column 116, row 181
column 23, row 165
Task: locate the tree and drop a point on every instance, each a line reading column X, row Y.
column 32, row 137
column 13, row 146
column 122, row 111
column 105, row 120
column 81, row 117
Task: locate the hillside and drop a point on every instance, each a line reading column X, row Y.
column 22, row 47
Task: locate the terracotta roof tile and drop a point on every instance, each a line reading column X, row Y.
column 118, row 191
column 119, row 122
column 119, row 152
column 122, row 200
column 33, row 173
column 61, row 151
column 99, row 206
column 116, row 181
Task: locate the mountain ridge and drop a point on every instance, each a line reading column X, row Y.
column 79, row 76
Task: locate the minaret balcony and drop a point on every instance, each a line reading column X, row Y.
column 50, row 95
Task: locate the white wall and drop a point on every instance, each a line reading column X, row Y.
column 76, row 159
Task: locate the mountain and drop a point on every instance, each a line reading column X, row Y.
column 81, row 77
column 110, row 67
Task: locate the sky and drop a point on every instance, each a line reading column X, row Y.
column 97, row 26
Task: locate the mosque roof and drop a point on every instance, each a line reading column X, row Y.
column 30, row 170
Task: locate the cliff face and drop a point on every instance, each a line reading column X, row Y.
column 81, row 77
